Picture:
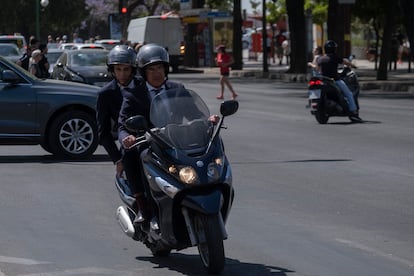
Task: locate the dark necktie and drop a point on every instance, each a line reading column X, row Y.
column 156, row 90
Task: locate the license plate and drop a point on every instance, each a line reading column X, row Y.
column 314, row 94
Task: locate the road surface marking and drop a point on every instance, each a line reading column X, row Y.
column 13, row 260
column 84, row 271
column 389, row 256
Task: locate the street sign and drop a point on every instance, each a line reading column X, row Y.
column 215, row 14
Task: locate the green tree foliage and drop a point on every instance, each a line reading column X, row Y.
column 319, row 10
column 386, row 16
column 58, row 18
column 276, row 11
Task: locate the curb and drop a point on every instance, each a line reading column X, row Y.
column 398, row 81
column 401, row 85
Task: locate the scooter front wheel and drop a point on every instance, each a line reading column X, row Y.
column 210, row 242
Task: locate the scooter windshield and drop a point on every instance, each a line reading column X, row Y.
column 182, row 117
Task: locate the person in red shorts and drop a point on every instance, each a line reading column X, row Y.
column 224, row 60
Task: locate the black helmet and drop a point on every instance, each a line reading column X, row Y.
column 150, row 54
column 330, row 47
column 121, row 54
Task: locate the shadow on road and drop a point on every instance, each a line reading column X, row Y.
column 185, row 70
column 191, row 265
column 352, row 123
column 10, row 159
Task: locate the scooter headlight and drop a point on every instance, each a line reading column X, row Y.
column 214, row 169
column 188, row 175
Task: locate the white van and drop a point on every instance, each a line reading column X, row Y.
column 19, row 40
column 165, row 31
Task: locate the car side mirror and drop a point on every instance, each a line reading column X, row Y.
column 10, row 77
column 228, row 108
column 136, row 123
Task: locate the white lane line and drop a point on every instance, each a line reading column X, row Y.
column 13, row 260
column 389, row 256
column 84, row 271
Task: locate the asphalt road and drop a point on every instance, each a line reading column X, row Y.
column 311, row 199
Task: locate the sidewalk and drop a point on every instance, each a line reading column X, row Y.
column 398, row 80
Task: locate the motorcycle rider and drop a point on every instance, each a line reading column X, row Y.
column 121, row 64
column 328, row 66
column 153, row 65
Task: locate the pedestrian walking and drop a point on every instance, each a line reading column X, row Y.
column 224, row 60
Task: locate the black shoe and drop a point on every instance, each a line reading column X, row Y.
column 355, row 118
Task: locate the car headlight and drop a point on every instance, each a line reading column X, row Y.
column 76, row 78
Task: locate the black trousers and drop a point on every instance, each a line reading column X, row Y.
column 133, row 170
column 135, row 175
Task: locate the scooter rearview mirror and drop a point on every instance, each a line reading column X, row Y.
column 229, row 107
column 136, row 123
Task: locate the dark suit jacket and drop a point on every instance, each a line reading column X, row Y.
column 107, row 112
column 137, row 102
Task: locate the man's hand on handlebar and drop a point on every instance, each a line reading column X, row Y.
column 129, row 141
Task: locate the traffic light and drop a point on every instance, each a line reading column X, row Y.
column 123, row 6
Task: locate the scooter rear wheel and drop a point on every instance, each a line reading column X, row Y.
column 321, row 117
column 210, row 242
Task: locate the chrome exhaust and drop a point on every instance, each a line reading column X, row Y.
column 124, row 221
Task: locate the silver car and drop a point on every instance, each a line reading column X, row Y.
column 10, row 51
column 85, row 65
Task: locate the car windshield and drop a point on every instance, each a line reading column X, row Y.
column 52, row 57
column 17, row 41
column 89, row 59
column 9, row 50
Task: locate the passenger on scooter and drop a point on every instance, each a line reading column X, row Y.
column 328, row 66
column 153, row 65
column 317, row 53
column 122, row 65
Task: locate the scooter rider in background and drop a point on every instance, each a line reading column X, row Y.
column 328, row 66
column 122, row 65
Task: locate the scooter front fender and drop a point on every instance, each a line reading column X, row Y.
column 205, row 204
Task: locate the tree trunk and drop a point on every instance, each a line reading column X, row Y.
column 237, row 36
column 297, row 30
column 389, row 27
column 407, row 6
column 336, row 28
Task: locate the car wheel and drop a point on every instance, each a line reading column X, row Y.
column 73, row 135
column 46, row 147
